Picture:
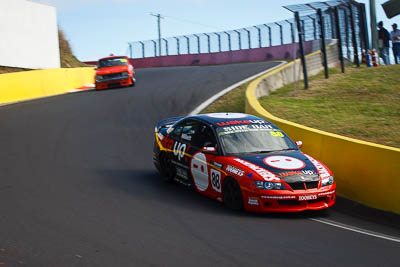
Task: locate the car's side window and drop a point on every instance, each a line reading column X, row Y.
column 205, row 137
column 178, row 130
column 189, row 130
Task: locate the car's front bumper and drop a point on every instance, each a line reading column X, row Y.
column 290, row 201
column 117, row 81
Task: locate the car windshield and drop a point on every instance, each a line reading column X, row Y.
column 110, row 62
column 254, row 138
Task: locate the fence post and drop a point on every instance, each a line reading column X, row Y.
column 187, row 44
column 177, row 45
column 323, row 45
column 281, row 31
column 240, row 39
column 354, row 39
column 155, row 47
column 229, row 41
column 219, row 41
column 291, row 30
column 364, row 27
column 208, row 42
column 314, row 26
column 269, row 34
column 302, row 54
column 259, row 36
column 143, row 54
column 166, row 46
column 248, row 36
column 198, row 43
column 339, row 35
column 130, row 50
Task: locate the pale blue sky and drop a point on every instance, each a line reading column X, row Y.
column 96, row 28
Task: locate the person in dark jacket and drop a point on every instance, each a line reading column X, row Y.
column 383, row 43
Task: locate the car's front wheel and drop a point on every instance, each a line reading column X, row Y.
column 232, row 194
column 167, row 171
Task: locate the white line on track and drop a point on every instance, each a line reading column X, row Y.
column 230, row 88
column 324, row 221
column 357, row 230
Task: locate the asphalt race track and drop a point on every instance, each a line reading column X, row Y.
column 78, row 188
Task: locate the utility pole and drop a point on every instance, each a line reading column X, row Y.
column 159, row 31
column 374, row 32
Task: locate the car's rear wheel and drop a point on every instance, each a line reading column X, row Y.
column 232, row 194
column 167, row 172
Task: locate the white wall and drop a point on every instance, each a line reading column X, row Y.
column 28, row 35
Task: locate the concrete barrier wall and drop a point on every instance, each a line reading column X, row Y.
column 237, row 56
column 26, row 85
column 365, row 172
column 28, row 35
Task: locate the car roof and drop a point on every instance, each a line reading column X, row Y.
column 214, row 118
column 113, row 57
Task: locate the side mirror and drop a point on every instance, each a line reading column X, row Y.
column 299, row 144
column 209, row 150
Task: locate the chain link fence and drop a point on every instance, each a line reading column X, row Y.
column 350, row 21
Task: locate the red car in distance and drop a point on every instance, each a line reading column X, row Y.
column 114, row 71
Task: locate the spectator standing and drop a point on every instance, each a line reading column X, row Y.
column 395, row 36
column 384, row 38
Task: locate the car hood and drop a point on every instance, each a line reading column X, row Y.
column 291, row 167
column 113, row 69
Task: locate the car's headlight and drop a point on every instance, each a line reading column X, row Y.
column 99, row 77
column 327, row 181
column 269, row 185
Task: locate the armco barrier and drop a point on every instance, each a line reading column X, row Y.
column 365, row 172
column 26, row 85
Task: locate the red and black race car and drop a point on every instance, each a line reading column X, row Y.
column 243, row 161
column 114, row 71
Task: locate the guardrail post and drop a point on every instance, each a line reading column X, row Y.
column 240, row 39
column 208, row 41
column 281, row 31
column 130, row 50
column 323, row 45
column 339, row 35
column 166, row 46
column 303, row 58
column 354, row 38
column 177, row 45
column 229, row 41
column 143, row 54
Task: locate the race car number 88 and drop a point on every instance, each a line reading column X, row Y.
column 216, row 180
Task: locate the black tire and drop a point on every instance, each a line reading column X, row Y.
column 133, row 82
column 232, row 194
column 167, row 172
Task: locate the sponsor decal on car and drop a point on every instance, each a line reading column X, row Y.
column 279, row 197
column 179, row 150
column 322, row 170
column 227, row 115
column 307, row 197
column 326, row 193
column 217, row 165
column 268, row 176
column 226, row 123
column 291, row 173
column 253, row 201
column 234, row 170
column 284, row 162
